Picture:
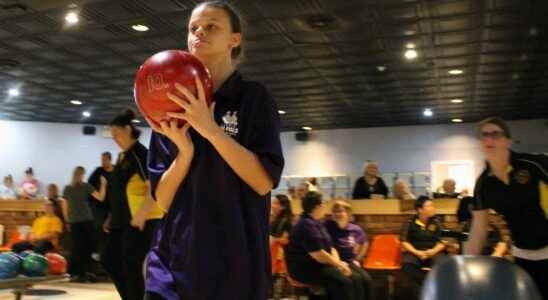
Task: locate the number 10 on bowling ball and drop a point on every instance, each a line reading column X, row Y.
column 158, row 75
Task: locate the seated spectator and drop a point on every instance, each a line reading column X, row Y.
column 281, row 218
column 30, row 185
column 401, row 191
column 349, row 239
column 281, row 221
column 495, row 244
column 46, row 231
column 447, row 190
column 370, row 186
column 292, row 193
column 301, row 191
column 312, row 183
column 421, row 246
column 312, row 259
column 7, row 189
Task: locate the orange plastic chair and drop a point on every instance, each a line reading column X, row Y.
column 384, row 253
column 278, row 260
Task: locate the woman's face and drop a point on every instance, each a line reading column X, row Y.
column 275, row 207
column 449, row 186
column 340, row 215
column 428, row 210
column 121, row 135
column 493, row 142
column 210, row 33
column 319, row 211
column 400, row 188
column 79, row 175
column 52, row 191
column 372, row 170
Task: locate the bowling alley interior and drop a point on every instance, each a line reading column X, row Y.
column 273, row 149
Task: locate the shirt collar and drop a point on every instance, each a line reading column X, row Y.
column 420, row 223
column 132, row 147
column 509, row 169
column 230, row 87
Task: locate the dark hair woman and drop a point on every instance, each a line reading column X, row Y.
column 133, row 214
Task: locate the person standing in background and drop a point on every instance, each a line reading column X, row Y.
column 99, row 208
column 80, row 223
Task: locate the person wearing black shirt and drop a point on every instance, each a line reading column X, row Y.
column 421, row 245
column 515, row 185
column 99, row 208
column 133, row 215
column 370, row 185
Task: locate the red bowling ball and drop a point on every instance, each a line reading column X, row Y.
column 57, row 264
column 158, row 75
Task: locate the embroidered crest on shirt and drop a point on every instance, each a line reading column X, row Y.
column 230, row 123
column 523, row 176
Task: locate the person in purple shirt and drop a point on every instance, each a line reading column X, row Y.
column 349, row 239
column 312, row 259
column 213, row 176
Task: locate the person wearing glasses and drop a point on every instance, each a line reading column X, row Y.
column 515, row 185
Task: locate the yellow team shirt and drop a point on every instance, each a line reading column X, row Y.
column 136, row 191
column 46, row 225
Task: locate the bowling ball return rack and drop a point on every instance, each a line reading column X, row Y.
column 23, row 285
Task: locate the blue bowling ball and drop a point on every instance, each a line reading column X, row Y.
column 10, row 265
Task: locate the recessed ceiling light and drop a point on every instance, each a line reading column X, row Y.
column 455, row 72
column 427, row 112
column 409, row 32
column 307, row 128
column 381, row 68
column 86, row 114
column 140, row 27
column 456, row 101
column 281, row 112
column 410, row 46
column 71, row 18
column 411, row 54
column 76, row 102
column 13, row 92
column 136, row 121
column 456, row 120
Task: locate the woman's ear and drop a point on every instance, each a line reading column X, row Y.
column 236, row 39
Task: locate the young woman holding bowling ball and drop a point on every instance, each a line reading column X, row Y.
column 213, row 176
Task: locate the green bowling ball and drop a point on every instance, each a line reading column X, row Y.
column 34, row 265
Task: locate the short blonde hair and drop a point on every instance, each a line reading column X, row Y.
column 342, row 204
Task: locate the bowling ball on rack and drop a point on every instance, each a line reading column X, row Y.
column 34, row 265
column 10, row 264
column 57, row 264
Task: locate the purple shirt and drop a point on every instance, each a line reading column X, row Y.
column 346, row 240
column 308, row 235
column 213, row 242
